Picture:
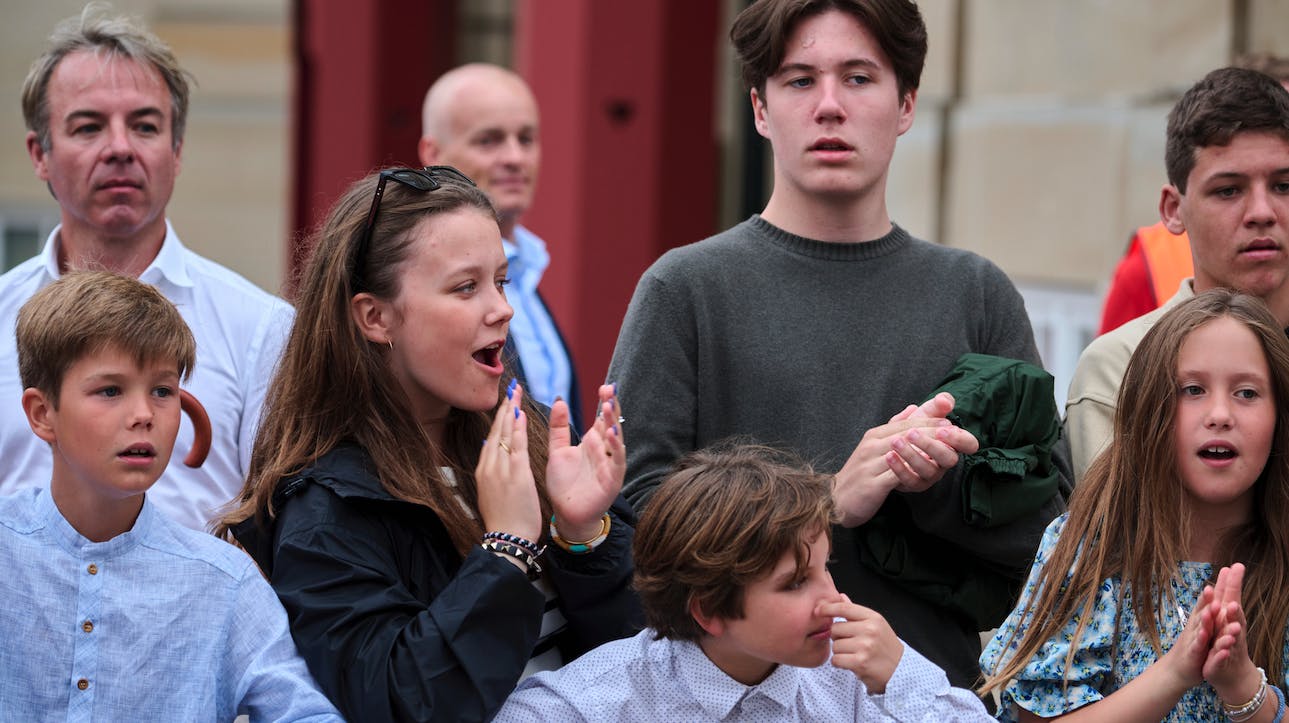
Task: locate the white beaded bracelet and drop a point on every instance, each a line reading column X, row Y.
column 1241, row 713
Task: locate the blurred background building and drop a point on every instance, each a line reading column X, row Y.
column 1038, row 140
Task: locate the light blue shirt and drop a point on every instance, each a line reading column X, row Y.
column 158, row 623
column 643, row 679
column 547, row 368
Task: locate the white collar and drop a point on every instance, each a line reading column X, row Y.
column 167, row 268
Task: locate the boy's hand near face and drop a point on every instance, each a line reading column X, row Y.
column 864, row 643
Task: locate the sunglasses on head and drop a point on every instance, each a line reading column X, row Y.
column 422, row 179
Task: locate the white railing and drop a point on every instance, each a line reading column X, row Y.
column 1065, row 319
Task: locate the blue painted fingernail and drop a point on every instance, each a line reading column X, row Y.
column 615, row 389
column 510, row 389
column 614, row 430
column 516, row 412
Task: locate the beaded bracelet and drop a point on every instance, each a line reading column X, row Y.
column 1280, row 704
column 1241, row 713
column 534, row 570
column 532, row 547
column 582, row 548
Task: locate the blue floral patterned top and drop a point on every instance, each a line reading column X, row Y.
column 1095, row 675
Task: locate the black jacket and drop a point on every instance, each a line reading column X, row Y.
column 394, row 624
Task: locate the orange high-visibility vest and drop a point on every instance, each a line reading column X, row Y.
column 1168, row 256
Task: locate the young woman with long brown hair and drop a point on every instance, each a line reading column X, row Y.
column 400, row 488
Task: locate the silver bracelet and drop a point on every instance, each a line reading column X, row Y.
column 1241, row 713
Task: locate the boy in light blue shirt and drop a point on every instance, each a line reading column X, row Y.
column 109, row 610
column 745, row 623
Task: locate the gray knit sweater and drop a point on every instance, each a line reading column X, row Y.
column 805, row 345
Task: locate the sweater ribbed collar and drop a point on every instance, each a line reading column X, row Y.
column 893, row 241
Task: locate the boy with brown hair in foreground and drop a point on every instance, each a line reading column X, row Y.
column 730, row 565
column 111, row 610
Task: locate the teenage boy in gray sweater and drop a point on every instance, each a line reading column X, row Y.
column 819, row 325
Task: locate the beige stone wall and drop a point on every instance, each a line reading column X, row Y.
column 1040, row 130
column 231, row 199
column 1268, row 27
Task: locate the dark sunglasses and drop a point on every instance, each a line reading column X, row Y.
column 422, row 179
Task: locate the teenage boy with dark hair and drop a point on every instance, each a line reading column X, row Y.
column 1227, row 158
column 112, row 611
column 815, row 326
column 1157, row 260
column 730, row 565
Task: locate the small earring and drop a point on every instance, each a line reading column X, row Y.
column 391, row 344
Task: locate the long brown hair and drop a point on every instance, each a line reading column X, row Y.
column 334, row 386
column 1128, row 517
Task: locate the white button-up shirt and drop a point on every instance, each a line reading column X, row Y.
column 642, row 679
column 240, row 331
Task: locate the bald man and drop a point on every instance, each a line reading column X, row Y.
column 482, row 119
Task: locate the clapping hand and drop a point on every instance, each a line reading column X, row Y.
column 508, row 499
column 1227, row 666
column 909, row 453
column 583, row 480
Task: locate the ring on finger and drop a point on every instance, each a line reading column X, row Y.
column 622, row 420
column 504, row 447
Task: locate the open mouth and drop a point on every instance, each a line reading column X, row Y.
column 830, row 145
column 1217, row 453
column 489, row 356
column 139, row 452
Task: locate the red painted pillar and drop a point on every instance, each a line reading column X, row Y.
column 627, row 98
column 362, row 70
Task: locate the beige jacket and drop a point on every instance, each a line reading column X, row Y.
column 1094, row 389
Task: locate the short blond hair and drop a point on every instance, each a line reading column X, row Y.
column 86, row 312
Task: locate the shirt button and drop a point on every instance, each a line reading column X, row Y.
column 92, row 569
column 87, row 626
column 82, row 684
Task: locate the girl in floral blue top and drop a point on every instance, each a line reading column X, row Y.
column 1123, row 618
